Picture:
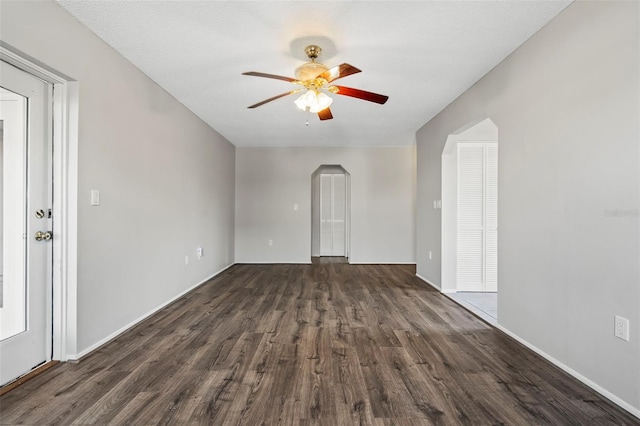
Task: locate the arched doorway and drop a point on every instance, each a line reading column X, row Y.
column 330, row 212
column 470, row 215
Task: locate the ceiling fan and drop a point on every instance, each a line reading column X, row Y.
column 315, row 78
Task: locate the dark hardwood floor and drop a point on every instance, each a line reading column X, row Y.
column 321, row 344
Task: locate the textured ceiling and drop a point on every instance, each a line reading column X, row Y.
column 421, row 54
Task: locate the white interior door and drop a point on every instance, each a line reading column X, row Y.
column 326, row 221
column 491, row 214
column 333, row 214
column 470, row 276
column 26, row 194
column 477, row 245
column 339, row 201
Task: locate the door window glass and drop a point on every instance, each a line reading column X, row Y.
column 13, row 174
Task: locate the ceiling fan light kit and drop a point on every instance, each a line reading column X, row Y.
column 313, row 101
column 315, row 78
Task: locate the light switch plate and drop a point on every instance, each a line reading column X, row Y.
column 95, row 197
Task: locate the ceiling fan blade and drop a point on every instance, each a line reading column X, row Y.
column 271, row 99
column 362, row 94
column 277, row 77
column 325, row 114
column 339, row 71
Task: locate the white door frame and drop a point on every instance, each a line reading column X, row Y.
column 315, row 207
column 448, row 202
column 64, row 114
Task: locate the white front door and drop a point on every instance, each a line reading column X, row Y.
column 25, row 222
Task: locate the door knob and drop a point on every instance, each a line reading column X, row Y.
column 43, row 236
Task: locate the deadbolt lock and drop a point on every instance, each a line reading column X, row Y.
column 43, row 236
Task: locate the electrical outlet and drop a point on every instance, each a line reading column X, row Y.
column 622, row 328
column 270, row 242
column 430, row 255
column 186, row 260
column 200, row 252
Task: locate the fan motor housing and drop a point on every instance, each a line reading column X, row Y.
column 309, row 71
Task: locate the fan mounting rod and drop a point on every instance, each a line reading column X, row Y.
column 312, row 51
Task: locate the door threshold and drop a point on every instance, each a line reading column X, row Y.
column 30, row 375
column 476, row 310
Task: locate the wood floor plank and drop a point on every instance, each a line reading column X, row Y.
column 210, row 400
column 251, row 403
column 69, row 406
column 352, row 402
column 387, row 393
column 320, row 344
column 285, row 407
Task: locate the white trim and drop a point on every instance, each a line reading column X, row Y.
column 115, row 334
column 65, row 165
column 428, row 282
column 381, row 263
column 68, row 195
column 270, row 262
column 613, row 398
column 31, row 66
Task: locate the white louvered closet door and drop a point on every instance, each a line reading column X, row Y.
column 339, row 214
column 470, row 217
column 491, row 214
column 477, row 216
column 332, row 214
column 326, row 223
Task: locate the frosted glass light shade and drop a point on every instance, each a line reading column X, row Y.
column 306, row 99
column 314, row 101
column 309, row 71
column 322, row 102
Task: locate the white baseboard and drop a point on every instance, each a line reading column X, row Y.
column 382, row 263
column 428, row 282
column 613, row 398
column 289, row 262
column 110, row 337
column 271, row 262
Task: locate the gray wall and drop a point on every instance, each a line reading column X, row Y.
column 566, row 104
column 269, row 181
column 166, row 179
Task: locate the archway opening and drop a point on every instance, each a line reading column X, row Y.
column 330, row 213
column 470, row 217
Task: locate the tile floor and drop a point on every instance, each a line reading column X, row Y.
column 485, row 305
